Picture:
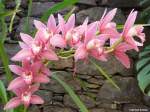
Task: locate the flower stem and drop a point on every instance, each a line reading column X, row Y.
column 105, row 74
column 25, row 109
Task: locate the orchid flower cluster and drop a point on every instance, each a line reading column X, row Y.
column 98, row 39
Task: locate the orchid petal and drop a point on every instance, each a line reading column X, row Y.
column 16, row 69
column 36, row 66
column 61, row 23
column 51, row 23
column 23, row 45
column 35, row 99
column 21, row 55
column 123, row 58
column 50, row 55
column 90, row 32
column 132, row 43
column 58, row 41
column 34, row 88
column 123, row 47
column 108, row 18
column 129, row 22
column 16, row 83
column 27, row 39
column 41, row 79
column 70, row 23
column 81, row 53
column 113, row 33
column 14, row 102
column 39, row 25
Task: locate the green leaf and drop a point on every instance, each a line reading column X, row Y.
column 4, row 29
column 144, row 53
column 69, row 13
column 74, row 97
column 7, row 13
column 142, row 62
column 18, row 2
column 26, row 26
column 105, row 74
column 5, row 61
column 57, row 7
column 145, row 2
column 145, row 70
column 3, row 94
column 144, row 81
column 147, row 47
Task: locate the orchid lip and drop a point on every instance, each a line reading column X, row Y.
column 28, row 77
column 26, row 97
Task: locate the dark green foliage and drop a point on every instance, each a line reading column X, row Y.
column 143, row 68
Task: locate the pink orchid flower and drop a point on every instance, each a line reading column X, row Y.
column 47, row 31
column 130, row 31
column 24, row 96
column 34, row 49
column 120, row 54
column 106, row 26
column 50, row 32
column 28, row 74
column 92, row 45
column 75, row 36
column 66, row 26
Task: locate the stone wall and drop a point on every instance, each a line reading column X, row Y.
column 94, row 90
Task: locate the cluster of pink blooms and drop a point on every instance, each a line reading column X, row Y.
column 88, row 39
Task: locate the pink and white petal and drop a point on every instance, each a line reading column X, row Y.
column 85, row 21
column 123, row 58
column 39, row 25
column 16, row 83
column 81, row 53
column 103, row 58
column 61, row 22
column 27, row 39
column 14, row 102
column 26, row 64
column 50, row 55
column 36, row 66
column 108, row 18
column 46, row 71
column 23, row 45
column 132, row 43
column 51, row 24
column 138, row 43
column 129, row 22
column 70, row 23
column 123, row 47
column 98, row 56
column 41, row 78
column 90, row 32
column 112, row 32
column 26, row 103
column 21, row 55
column 103, row 38
column 58, row 41
column 82, row 28
column 105, row 11
column 35, row 99
column 16, row 69
column 113, row 40
column 34, row 88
